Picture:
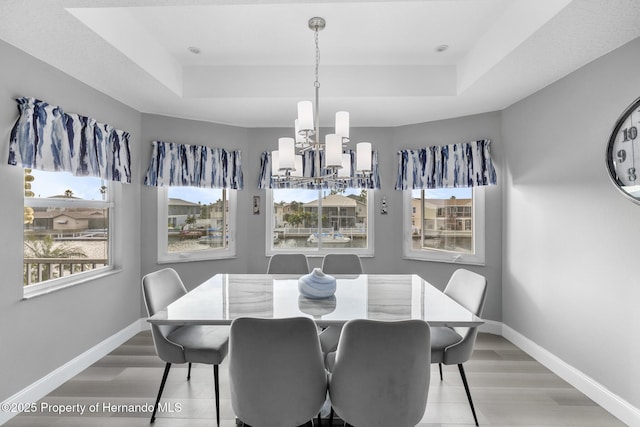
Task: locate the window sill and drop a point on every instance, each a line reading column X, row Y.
column 447, row 258
column 314, row 253
column 177, row 258
column 452, row 259
column 34, row 291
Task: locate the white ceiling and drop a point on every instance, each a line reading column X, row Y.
column 378, row 58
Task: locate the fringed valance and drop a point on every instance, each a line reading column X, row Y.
column 371, row 181
column 194, row 166
column 46, row 138
column 466, row 164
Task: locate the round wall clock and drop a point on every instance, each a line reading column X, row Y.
column 623, row 152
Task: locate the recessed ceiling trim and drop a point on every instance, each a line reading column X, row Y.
column 337, row 81
column 117, row 27
column 510, row 30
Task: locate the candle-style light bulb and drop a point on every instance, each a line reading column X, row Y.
column 363, row 158
column 287, row 153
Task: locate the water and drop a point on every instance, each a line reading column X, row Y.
column 191, row 245
column 461, row 244
column 302, row 242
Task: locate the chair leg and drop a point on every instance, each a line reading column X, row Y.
column 217, row 389
column 319, row 420
column 189, row 372
column 331, row 417
column 440, row 369
column 164, row 379
column 466, row 388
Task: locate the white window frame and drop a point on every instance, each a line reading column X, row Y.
column 165, row 257
column 368, row 251
column 476, row 258
column 48, row 286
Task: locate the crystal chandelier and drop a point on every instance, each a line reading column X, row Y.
column 331, row 160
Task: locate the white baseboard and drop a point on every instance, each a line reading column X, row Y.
column 53, row 380
column 491, row 327
column 613, row 403
column 617, row 406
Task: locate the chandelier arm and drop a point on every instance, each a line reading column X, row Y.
column 311, row 140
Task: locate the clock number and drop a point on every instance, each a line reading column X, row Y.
column 632, row 174
column 622, row 155
column 629, row 134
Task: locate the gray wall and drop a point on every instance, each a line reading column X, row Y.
column 463, row 129
column 54, row 324
column 43, row 333
column 570, row 279
column 184, row 131
column 560, row 243
column 388, row 228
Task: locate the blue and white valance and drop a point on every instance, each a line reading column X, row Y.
column 183, row 165
column 370, row 181
column 46, row 138
column 466, row 164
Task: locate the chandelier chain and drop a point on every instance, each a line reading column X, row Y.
column 289, row 160
column 317, row 82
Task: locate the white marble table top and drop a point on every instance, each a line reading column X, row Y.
column 225, row 297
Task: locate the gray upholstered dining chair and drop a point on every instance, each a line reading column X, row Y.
column 337, row 264
column 276, row 373
column 341, row 264
column 288, row 264
column 380, row 376
column 182, row 344
column 454, row 346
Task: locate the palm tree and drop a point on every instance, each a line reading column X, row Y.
column 45, row 249
column 35, row 248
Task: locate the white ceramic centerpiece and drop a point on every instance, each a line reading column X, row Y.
column 317, row 285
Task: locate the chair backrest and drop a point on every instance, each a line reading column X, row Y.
column 342, row 264
column 468, row 289
column 381, row 373
column 159, row 289
column 276, row 372
column 288, row 264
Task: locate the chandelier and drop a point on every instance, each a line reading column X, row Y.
column 305, row 158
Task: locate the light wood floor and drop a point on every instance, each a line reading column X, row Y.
column 508, row 387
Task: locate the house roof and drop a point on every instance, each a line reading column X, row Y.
column 181, row 202
column 439, row 203
column 76, row 213
column 334, row 200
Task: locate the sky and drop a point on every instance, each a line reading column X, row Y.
column 47, row 184
column 446, row 193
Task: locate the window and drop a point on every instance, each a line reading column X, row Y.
column 320, row 221
column 68, row 229
column 445, row 225
column 195, row 223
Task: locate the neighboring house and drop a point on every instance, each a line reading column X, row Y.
column 442, row 215
column 69, row 220
column 361, row 209
column 338, row 211
column 207, row 216
column 180, row 210
column 278, row 213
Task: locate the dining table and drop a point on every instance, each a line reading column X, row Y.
column 387, row 297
